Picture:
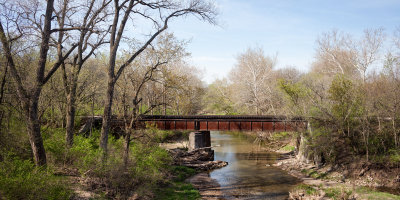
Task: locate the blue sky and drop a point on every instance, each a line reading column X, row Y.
column 288, row 28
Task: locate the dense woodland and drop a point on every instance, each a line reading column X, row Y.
column 60, row 60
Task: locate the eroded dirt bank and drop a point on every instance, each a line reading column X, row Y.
column 352, row 180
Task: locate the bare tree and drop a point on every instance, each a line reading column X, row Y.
column 334, row 54
column 183, row 88
column 251, row 77
column 90, row 36
column 22, row 19
column 159, row 13
column 340, row 53
column 218, row 98
column 140, row 73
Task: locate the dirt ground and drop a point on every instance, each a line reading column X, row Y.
column 358, row 180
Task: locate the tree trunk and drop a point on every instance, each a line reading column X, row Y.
column 126, row 146
column 71, row 98
column 365, row 133
column 2, row 88
column 35, row 137
column 30, row 99
column 394, row 131
column 107, row 116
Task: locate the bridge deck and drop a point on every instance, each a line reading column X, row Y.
column 225, row 122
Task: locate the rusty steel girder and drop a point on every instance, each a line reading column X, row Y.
column 225, row 122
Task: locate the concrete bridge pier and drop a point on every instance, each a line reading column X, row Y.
column 199, row 139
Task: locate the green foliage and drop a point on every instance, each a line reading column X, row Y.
column 338, row 192
column 181, row 173
column 308, row 189
column 337, row 122
column 314, row 174
column 371, row 194
column 281, row 135
column 150, row 163
column 21, row 179
column 54, row 143
column 85, row 154
column 13, row 138
column 288, row 148
column 322, row 140
column 394, row 155
column 216, row 101
column 162, row 136
column 177, row 189
column 347, row 103
column 294, row 92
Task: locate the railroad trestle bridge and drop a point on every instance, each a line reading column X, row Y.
column 225, row 122
column 267, row 123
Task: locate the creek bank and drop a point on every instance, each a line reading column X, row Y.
column 208, row 187
column 356, row 180
column 352, row 178
column 201, row 159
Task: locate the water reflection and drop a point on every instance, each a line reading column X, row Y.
column 248, row 176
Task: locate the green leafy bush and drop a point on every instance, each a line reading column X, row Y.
column 85, row 153
column 306, row 188
column 181, row 172
column 288, row 148
column 150, row 162
column 20, row 179
column 394, row 155
column 338, row 192
column 177, row 188
column 161, row 136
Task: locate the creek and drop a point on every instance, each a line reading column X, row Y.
column 249, row 174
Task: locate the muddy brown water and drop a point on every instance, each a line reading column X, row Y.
column 248, row 174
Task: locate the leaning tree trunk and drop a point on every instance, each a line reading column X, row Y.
column 30, row 98
column 71, row 99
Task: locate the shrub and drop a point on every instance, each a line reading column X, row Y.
column 309, row 190
column 181, row 173
column 288, row 148
column 20, row 179
column 150, row 163
column 54, row 143
column 338, row 193
column 177, row 188
column 85, row 153
column 394, row 155
column 14, row 139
